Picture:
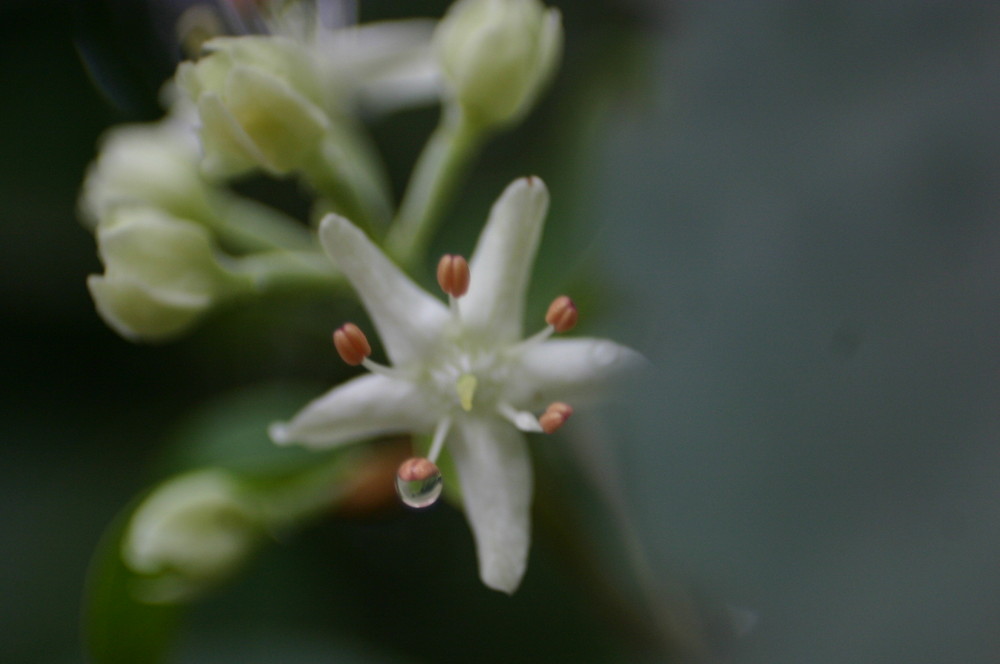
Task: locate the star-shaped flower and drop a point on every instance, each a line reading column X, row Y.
column 462, row 371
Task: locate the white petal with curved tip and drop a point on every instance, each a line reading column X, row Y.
column 365, row 406
column 495, row 473
column 572, row 370
column 228, row 151
column 409, row 320
column 501, row 264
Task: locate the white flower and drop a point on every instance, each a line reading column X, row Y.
column 463, row 372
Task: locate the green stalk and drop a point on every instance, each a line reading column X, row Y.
column 248, row 226
column 438, row 172
column 283, row 270
column 346, row 173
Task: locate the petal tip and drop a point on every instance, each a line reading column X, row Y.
column 506, row 581
column 531, row 184
column 334, row 232
column 279, row 433
column 334, row 221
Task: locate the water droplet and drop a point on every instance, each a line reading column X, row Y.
column 419, row 482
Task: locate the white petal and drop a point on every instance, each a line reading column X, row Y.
column 571, row 370
column 228, row 150
column 501, row 264
column 137, row 313
column 495, row 472
column 365, row 406
column 409, row 320
column 391, row 62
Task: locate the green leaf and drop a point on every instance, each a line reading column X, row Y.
column 118, row 629
column 231, row 432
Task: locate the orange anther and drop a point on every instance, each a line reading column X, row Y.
column 351, row 344
column 555, row 416
column 453, row 275
column 417, row 469
column 562, row 314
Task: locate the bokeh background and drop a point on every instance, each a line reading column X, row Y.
column 792, row 208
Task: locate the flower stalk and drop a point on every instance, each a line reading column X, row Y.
column 437, row 174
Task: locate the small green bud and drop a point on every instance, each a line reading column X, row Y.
column 146, row 164
column 191, row 533
column 260, row 104
column 497, row 55
column 161, row 274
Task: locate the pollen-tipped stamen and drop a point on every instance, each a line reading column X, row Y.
column 555, row 416
column 351, row 344
column 353, row 347
column 562, row 314
column 522, row 419
column 560, row 317
column 418, row 482
column 453, row 275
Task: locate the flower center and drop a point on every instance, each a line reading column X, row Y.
column 465, row 375
column 465, row 387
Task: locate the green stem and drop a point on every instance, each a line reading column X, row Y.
column 346, row 172
column 308, row 494
column 437, row 174
column 244, row 225
column 284, row 270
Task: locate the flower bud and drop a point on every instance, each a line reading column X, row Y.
column 260, row 102
column 146, row 164
column 190, row 533
column 497, row 55
column 160, row 274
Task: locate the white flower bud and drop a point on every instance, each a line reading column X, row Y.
column 260, row 101
column 146, row 164
column 497, row 55
column 161, row 274
column 190, row 533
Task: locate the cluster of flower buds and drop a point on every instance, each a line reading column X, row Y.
column 259, row 100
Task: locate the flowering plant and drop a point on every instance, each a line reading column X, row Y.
column 182, row 243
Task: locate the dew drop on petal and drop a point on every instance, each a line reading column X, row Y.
column 419, row 482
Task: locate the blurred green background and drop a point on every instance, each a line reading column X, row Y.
column 792, row 208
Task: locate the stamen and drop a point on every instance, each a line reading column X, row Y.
column 453, row 275
column 351, row 344
column 561, row 317
column 382, row 370
column 466, row 389
column 416, row 469
column 418, row 482
column 440, row 433
column 562, row 314
column 555, row 416
column 522, row 419
column 353, row 347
